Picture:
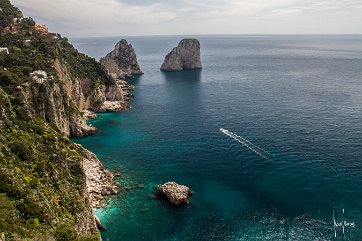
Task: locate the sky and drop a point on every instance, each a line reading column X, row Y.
column 86, row 18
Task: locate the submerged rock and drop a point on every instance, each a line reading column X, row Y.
column 122, row 62
column 185, row 56
column 177, row 194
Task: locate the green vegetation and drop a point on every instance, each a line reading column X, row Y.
column 31, row 50
column 39, row 53
column 8, row 13
column 42, row 182
column 80, row 65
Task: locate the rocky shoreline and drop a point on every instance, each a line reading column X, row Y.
column 121, row 64
column 99, row 181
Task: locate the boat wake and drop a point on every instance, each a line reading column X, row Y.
column 247, row 143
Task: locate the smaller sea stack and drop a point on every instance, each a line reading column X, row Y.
column 177, row 194
column 185, row 56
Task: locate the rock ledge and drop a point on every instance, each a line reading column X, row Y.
column 99, row 181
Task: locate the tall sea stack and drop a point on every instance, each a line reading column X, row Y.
column 185, row 56
column 122, row 62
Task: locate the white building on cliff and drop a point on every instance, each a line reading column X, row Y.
column 4, row 50
column 39, row 76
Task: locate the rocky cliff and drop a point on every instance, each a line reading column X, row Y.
column 78, row 83
column 52, row 103
column 122, row 62
column 87, row 94
column 48, row 184
column 43, row 191
column 185, row 56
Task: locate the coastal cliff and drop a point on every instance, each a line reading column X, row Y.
column 48, row 184
column 43, row 191
column 94, row 94
column 58, row 82
column 59, row 99
column 185, row 56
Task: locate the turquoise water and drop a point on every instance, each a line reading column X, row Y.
column 296, row 101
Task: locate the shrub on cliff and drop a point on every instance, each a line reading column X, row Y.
column 41, row 180
column 42, row 184
column 8, row 13
column 40, row 53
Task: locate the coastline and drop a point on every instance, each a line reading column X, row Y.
column 99, row 180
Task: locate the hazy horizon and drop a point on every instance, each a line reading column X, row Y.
column 221, row 34
column 109, row 18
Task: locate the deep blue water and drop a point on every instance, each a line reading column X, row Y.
column 297, row 98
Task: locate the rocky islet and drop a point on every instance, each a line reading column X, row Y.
column 183, row 57
column 177, row 194
column 121, row 63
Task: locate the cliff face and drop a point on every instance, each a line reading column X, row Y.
column 48, row 184
column 96, row 96
column 185, row 56
column 60, row 100
column 43, row 181
column 122, row 62
column 51, row 102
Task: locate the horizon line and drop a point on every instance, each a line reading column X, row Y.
column 213, row 34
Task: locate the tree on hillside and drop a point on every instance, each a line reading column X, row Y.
column 7, row 13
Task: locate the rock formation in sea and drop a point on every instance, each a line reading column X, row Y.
column 185, row 56
column 122, row 62
column 177, row 194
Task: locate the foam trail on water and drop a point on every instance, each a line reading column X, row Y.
column 246, row 143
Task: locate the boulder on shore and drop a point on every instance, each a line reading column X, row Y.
column 185, row 56
column 177, row 194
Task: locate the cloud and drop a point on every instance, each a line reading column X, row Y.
column 143, row 17
column 252, row 8
column 94, row 17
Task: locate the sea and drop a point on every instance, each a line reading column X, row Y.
column 268, row 135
